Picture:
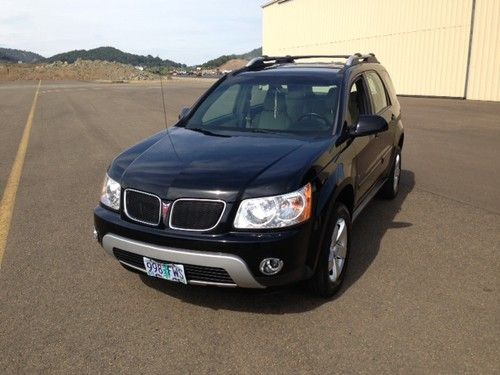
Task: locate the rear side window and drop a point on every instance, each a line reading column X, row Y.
column 389, row 87
column 323, row 90
column 377, row 91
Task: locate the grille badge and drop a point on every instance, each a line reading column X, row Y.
column 165, row 210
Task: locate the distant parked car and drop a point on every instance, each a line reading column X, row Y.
column 259, row 182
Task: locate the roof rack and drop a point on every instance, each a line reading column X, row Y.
column 358, row 58
column 260, row 62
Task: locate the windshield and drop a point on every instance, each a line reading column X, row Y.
column 270, row 104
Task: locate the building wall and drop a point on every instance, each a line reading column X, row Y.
column 423, row 43
column 484, row 71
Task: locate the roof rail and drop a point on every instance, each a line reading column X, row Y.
column 358, row 58
column 260, row 62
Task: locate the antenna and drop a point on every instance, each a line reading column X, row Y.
column 163, row 102
column 165, row 116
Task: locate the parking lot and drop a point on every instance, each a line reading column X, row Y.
column 422, row 293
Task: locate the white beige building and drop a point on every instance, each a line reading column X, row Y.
column 447, row 48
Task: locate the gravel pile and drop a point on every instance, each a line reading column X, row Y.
column 84, row 70
column 233, row 64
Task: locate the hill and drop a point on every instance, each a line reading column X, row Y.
column 215, row 63
column 15, row 55
column 113, row 55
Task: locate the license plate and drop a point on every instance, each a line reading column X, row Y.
column 167, row 271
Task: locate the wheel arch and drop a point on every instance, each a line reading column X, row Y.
column 341, row 191
column 346, row 197
column 401, row 141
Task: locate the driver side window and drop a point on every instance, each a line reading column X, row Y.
column 357, row 103
column 223, row 105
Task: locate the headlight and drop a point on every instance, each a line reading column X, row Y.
column 110, row 195
column 275, row 212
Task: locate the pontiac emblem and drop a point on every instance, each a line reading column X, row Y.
column 165, row 208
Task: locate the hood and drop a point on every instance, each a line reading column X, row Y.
column 199, row 165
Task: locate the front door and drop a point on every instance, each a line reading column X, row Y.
column 382, row 142
column 366, row 154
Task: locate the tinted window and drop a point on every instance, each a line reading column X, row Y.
column 223, row 105
column 270, row 103
column 357, row 102
column 377, row 91
column 389, row 87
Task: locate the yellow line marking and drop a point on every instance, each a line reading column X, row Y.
column 10, row 192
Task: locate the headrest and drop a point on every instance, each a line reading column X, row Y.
column 295, row 95
column 296, row 92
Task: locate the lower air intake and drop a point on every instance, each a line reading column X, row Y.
column 193, row 272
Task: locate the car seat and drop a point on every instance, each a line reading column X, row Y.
column 274, row 114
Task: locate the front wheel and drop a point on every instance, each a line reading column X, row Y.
column 334, row 256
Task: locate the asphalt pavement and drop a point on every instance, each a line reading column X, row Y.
column 421, row 296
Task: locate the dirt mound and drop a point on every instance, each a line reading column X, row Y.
column 233, row 64
column 84, row 70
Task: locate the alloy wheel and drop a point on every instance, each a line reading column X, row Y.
column 338, row 250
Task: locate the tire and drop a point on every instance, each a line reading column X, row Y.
column 328, row 278
column 391, row 187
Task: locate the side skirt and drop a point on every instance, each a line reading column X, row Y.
column 368, row 198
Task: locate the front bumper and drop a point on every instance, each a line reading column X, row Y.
column 233, row 265
column 238, row 253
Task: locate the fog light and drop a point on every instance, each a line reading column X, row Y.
column 271, row 266
column 96, row 235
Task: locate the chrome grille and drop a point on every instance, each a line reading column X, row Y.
column 196, row 214
column 142, row 207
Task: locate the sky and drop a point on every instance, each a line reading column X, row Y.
column 186, row 31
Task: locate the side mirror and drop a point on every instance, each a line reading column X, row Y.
column 184, row 112
column 367, row 125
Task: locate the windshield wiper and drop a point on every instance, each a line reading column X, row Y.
column 269, row 131
column 208, row 132
column 204, row 131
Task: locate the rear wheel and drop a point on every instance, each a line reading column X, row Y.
column 391, row 187
column 334, row 256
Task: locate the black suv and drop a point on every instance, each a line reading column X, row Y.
column 258, row 183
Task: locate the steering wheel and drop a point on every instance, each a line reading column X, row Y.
column 321, row 121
